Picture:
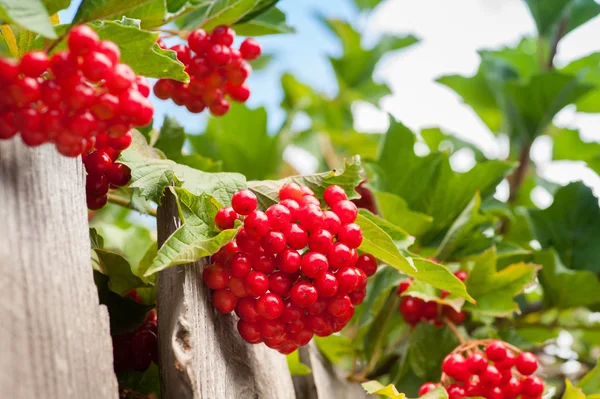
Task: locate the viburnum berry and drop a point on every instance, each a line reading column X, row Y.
column 244, row 202
column 532, row 386
column 269, row 306
column 496, row 351
column 427, row 387
column 225, row 218
column 346, row 211
column 249, row 331
column 256, row 283
column 476, row 363
column 224, row 300
column 491, row 376
column 215, row 277
column 256, row 224
column 303, row 294
column 295, row 236
column 289, row 261
column 250, row 49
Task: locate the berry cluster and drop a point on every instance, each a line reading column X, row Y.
column 293, row 270
column 72, row 97
column 137, row 349
column 216, row 69
column 415, row 310
column 495, row 373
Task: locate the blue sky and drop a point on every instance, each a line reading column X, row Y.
column 304, row 54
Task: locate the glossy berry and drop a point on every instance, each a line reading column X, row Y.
column 303, row 294
column 273, row 242
column 256, row 224
column 326, row 285
column 347, row 279
column 290, row 191
column 279, row 217
column 225, row 218
column 455, row 366
column 34, row 63
column 244, row 202
column 331, row 222
column 280, row 283
column 215, row 277
column 339, row 305
column 367, row 263
column 249, row 331
column 295, row 236
column 532, row 386
column 256, row 283
column 269, row 306
column 455, row 392
column 313, row 264
column 427, row 387
column 334, row 194
column 224, row 301
column 239, row 264
column 496, row 351
column 526, row 363
column 320, row 241
column 98, row 163
column 82, row 39
column 246, row 309
column 223, row 35
column 346, row 211
column 289, row 261
column 476, row 363
column 199, row 41
column 351, row 235
column 491, row 376
column 250, row 49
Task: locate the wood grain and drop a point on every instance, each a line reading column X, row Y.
column 201, row 352
column 54, row 340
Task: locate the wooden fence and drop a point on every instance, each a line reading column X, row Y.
column 55, row 339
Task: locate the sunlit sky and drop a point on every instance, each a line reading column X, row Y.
column 451, row 32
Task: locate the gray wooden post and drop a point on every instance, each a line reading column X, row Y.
column 201, row 352
column 54, row 336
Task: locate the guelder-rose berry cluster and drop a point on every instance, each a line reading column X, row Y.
column 415, row 310
column 293, row 271
column 497, row 372
column 72, row 97
column 216, row 70
column 135, row 350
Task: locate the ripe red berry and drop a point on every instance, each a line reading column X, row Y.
column 239, row 93
column 279, row 217
column 246, row 309
column 427, row 387
column 256, row 283
column 491, row 376
column 236, row 285
column 339, row 256
column 95, row 203
column 246, row 242
column 357, row 297
column 263, row 262
column 269, row 306
column 95, row 66
column 225, row 218
column 320, row 241
column 271, row 328
column 25, row 91
column 34, row 63
column 224, row 301
column 199, row 41
column 526, row 363
column 512, row 388
column 411, row 309
column 143, row 85
column 290, row 191
column 367, row 263
column 215, row 277
column 532, row 386
column 476, row 363
column 331, row 222
column 273, row 242
column 454, row 316
column 280, row 283
column 9, row 70
column 348, row 280
column 496, row 351
column 82, row 39
column 120, row 78
column 218, row 55
column 351, row 235
column 334, row 194
column 289, row 261
column 244, row 202
column 250, row 49
column 507, row 363
column 313, row 264
column 494, row 393
column 339, row 305
column 222, row 35
column 239, row 264
column 346, row 211
column 455, row 392
column 250, row 332
column 293, row 207
column 163, row 89
column 256, row 224
column 461, row 275
column 454, row 365
column 303, row 294
column 96, row 185
column 98, row 163
column 302, row 337
column 110, row 50
column 295, row 236
column 326, row 285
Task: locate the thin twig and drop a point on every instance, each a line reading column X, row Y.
column 124, row 202
column 455, row 331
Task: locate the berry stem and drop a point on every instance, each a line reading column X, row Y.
column 56, row 42
column 124, row 202
column 455, row 331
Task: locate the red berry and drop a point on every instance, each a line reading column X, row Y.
column 64, row 65
column 269, row 306
column 473, row 389
column 250, row 332
column 224, row 301
column 280, row 283
column 491, row 376
column 236, row 285
column 287, row 347
column 289, row 261
column 119, row 78
column 339, row 256
column 143, row 85
column 25, row 91
column 310, row 217
column 368, row 264
column 310, row 200
column 199, row 41
column 222, row 35
column 264, row 263
column 512, row 388
column 496, row 351
column 250, row 49
column 95, row 203
column 494, row 393
column 454, row 316
column 218, row 55
column 532, row 386
column 291, row 312
column 183, row 53
column 9, row 70
column 7, row 125
column 318, row 307
column 246, row 242
column 348, row 280
column 256, row 224
column 320, row 241
column 246, row 309
column 346, row 211
column 51, row 93
column 98, row 163
column 244, row 202
column 279, row 217
column 82, row 39
column 411, row 309
column 219, row 108
column 339, row 305
column 225, row 218
column 313, row 264
column 290, row 191
column 163, row 89
column 334, row 194
column 110, row 50
column 362, row 279
column 357, row 297
column 455, row 392
column 96, row 185
column 331, row 222
column 303, row 294
column 293, row 207
column 239, row 265
column 461, row 275
column 295, row 236
column 95, row 66
column 454, row 365
column 119, row 174
column 271, row 328
column 273, row 242
column 256, row 283
column 428, row 386
column 476, row 363
column 215, row 277
column 351, row 235
column 507, row 363
column 326, row 285
column 526, row 363
column 302, row 337
column 239, row 93
column 34, row 63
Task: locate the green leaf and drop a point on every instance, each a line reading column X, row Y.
column 572, row 392
column 394, row 209
column 378, row 289
column 335, row 347
column 548, row 15
column 428, row 184
column 90, row 10
column 428, row 347
column 146, row 382
column 588, row 68
column 171, row 138
column 269, row 23
column 151, row 14
column 523, row 58
column 197, row 237
column 568, row 146
column 150, row 176
column 426, row 292
column 29, row 15
column 212, row 13
column 268, row 191
column 400, row 237
column 590, row 383
column 563, row 287
column 53, row 6
column 378, row 243
column 438, row 140
column 295, row 365
column 366, row 4
column 390, row 391
column 466, row 233
column 571, row 225
column 437, row 393
column 125, row 313
column 494, row 290
column 375, row 339
column 242, row 147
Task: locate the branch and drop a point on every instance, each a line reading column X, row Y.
column 560, row 33
column 515, row 180
column 125, row 203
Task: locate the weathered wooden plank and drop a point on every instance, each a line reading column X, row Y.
column 325, row 381
column 55, row 341
column 201, row 353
